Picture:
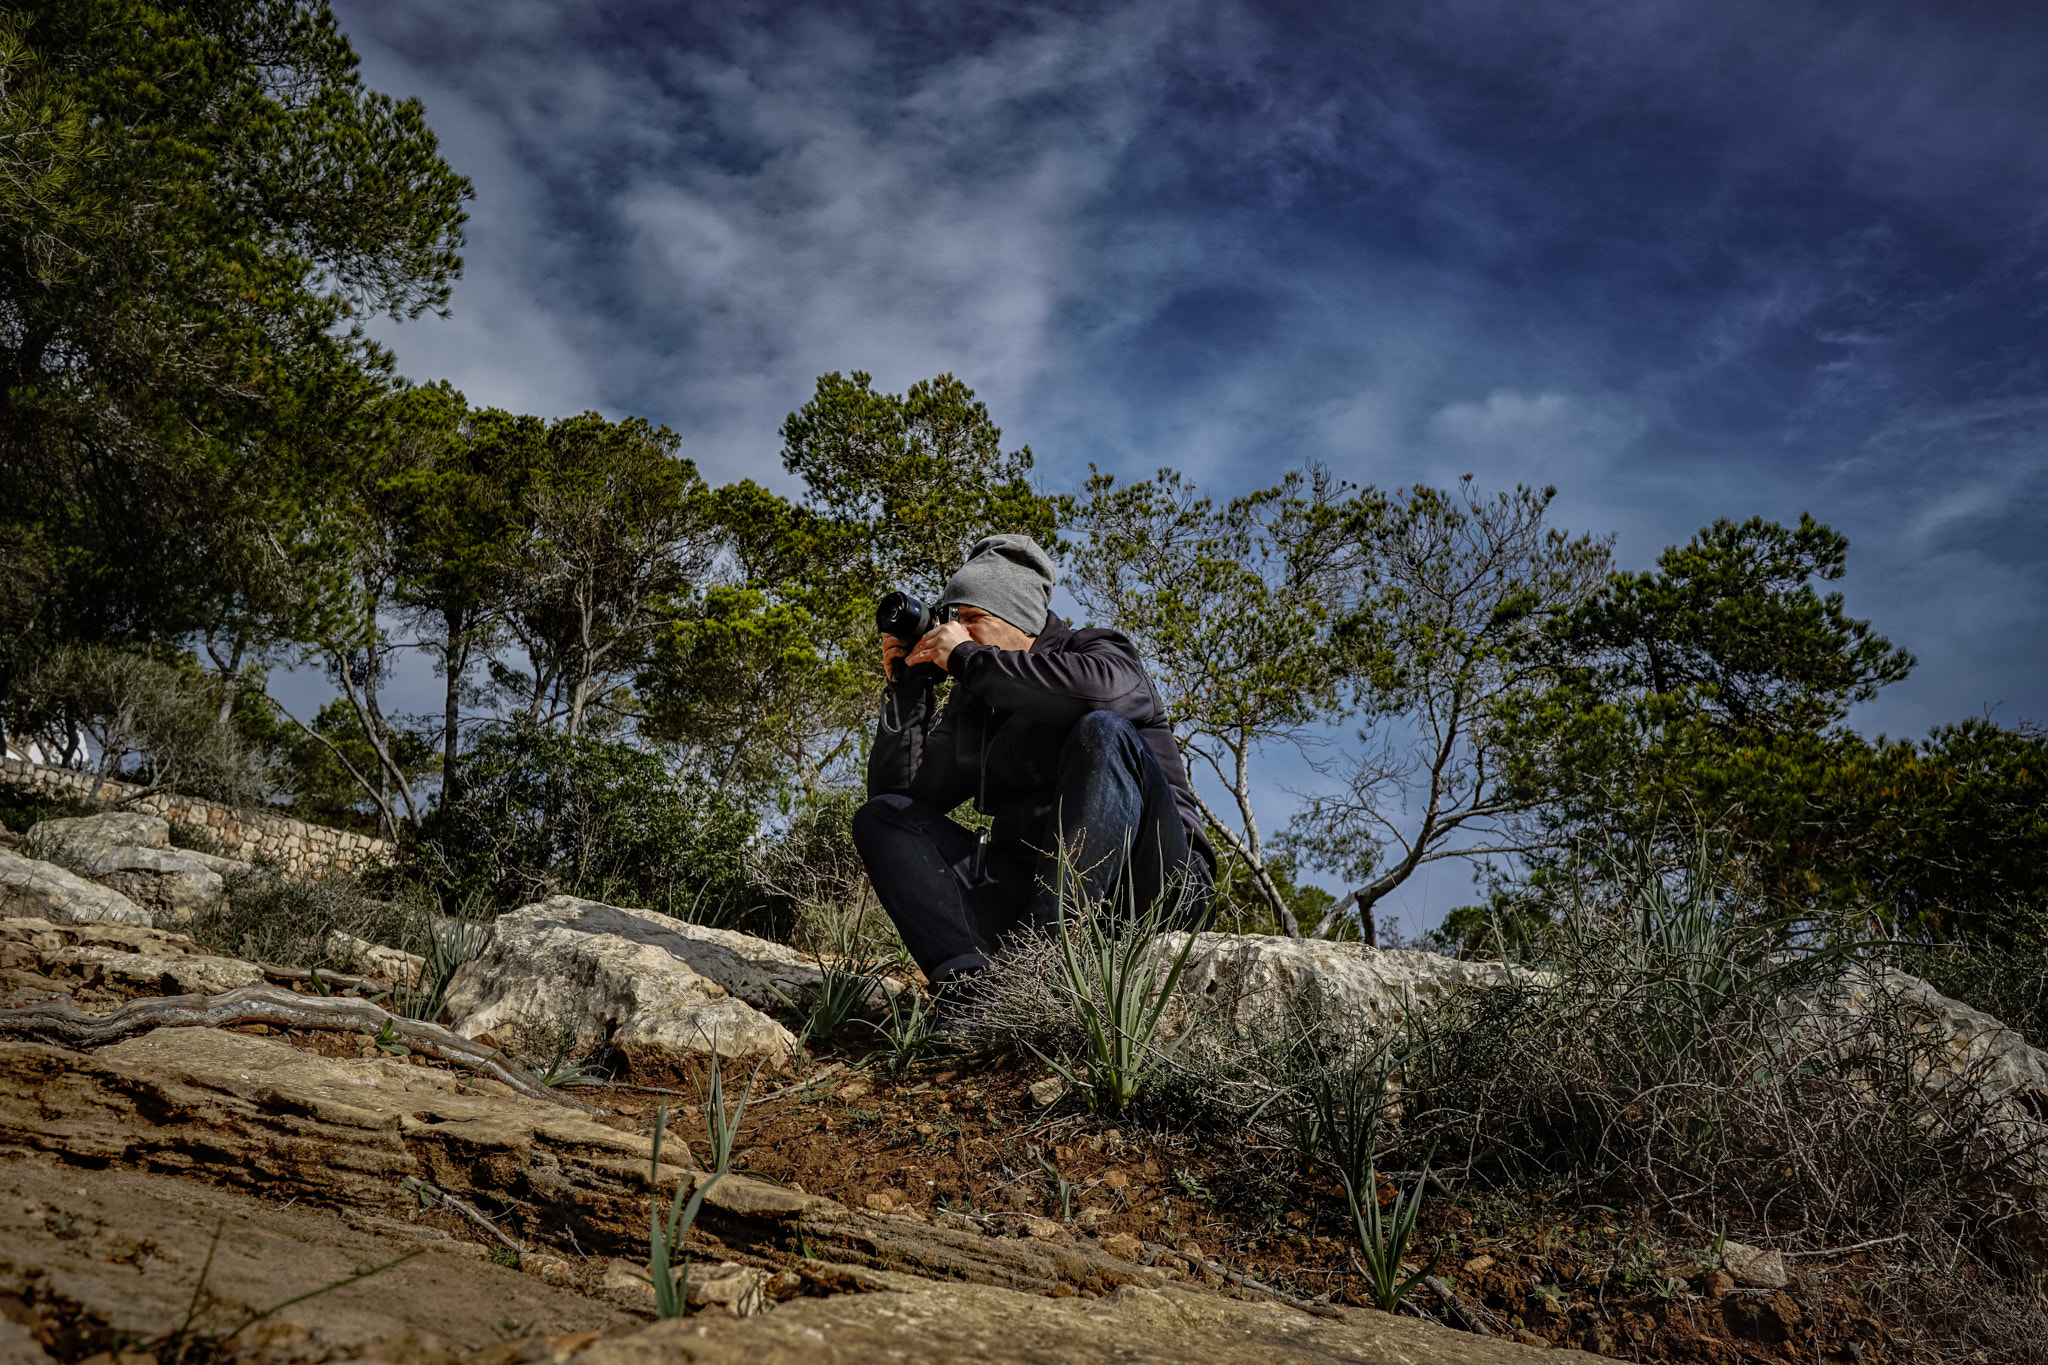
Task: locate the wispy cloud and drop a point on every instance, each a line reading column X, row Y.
column 1683, row 261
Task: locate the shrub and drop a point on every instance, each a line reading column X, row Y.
column 542, row 813
column 1678, row 1053
column 286, row 918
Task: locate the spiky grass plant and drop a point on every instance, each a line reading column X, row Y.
column 1112, row 975
column 722, row 1128
column 452, row 942
column 666, row 1233
column 906, row 1033
column 1383, row 1237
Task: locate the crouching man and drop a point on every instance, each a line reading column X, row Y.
column 1059, row 736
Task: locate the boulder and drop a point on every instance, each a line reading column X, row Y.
column 129, row 957
column 173, row 884
column 83, row 838
column 1254, row 981
column 46, row 891
column 656, row 990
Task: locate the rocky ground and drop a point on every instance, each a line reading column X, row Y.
column 165, row 1179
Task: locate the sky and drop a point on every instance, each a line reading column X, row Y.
column 1682, row 261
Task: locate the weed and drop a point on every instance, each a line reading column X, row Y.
column 1383, row 1239
column 505, row 1256
column 721, row 1130
column 452, row 942
column 1116, row 983
column 1063, row 1188
column 666, row 1234
column 907, row 1036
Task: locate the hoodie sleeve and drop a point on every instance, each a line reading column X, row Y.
column 1100, row 673
column 915, row 757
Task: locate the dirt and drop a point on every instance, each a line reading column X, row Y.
column 966, row 1138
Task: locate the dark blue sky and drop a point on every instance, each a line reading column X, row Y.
column 1682, row 260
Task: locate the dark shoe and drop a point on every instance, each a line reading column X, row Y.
column 956, row 1007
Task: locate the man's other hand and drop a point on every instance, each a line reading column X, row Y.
column 892, row 650
column 938, row 644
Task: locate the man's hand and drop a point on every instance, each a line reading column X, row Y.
column 892, row 650
column 938, row 644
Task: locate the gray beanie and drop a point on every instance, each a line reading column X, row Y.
column 1009, row 576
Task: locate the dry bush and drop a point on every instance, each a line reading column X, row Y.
column 1685, row 1059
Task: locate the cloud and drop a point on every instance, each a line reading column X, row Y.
column 1682, row 261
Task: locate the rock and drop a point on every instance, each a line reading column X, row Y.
column 150, row 961
column 374, row 959
column 1256, row 980
column 742, row 1289
column 1754, row 1266
column 1122, row 1245
column 1720, row 1284
column 46, row 891
column 83, row 838
column 625, row 1278
column 173, row 884
column 1048, row 1092
column 1478, row 1265
column 629, row 979
column 905, row 1319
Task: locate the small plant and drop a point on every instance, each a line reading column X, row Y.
column 666, row 1234
column 1117, row 985
column 1063, row 1187
column 505, row 1256
column 721, row 1130
column 907, row 1036
column 846, row 982
column 1383, row 1239
column 451, row 942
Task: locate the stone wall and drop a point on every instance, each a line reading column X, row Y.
column 245, row 834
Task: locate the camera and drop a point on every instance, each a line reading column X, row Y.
column 908, row 619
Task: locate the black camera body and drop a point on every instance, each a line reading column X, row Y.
column 908, row 619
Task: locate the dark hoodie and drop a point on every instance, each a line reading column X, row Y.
column 1017, row 707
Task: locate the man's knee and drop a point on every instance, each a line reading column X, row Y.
column 878, row 818
column 1099, row 733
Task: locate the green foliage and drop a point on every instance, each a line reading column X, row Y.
column 1383, row 1238
column 200, row 203
column 286, row 918
column 907, row 1034
column 1710, row 694
column 135, row 716
column 722, row 1125
column 23, row 806
column 752, row 692
column 542, row 812
column 666, row 1234
column 902, row 485
column 1115, row 979
column 451, row 942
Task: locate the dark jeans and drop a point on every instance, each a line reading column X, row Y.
column 1116, row 817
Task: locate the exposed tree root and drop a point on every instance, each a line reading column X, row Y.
column 61, row 1021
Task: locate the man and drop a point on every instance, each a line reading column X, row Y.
column 1056, row 733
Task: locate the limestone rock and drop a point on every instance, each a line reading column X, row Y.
column 1255, row 979
column 133, row 957
column 916, row 1321
column 374, row 959
column 655, row 989
column 46, row 891
column 84, row 837
column 742, row 1289
column 173, row 884
column 1754, row 1266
